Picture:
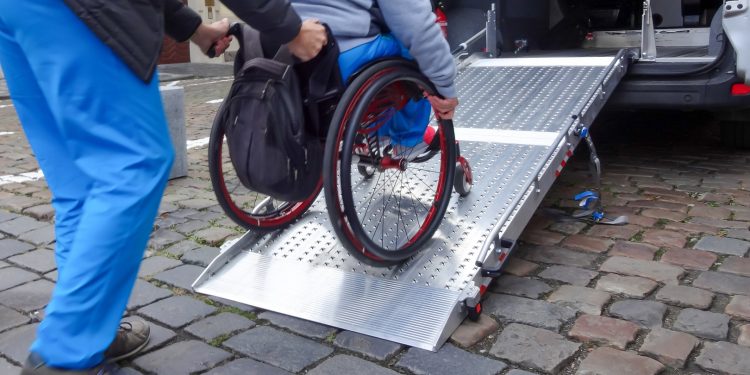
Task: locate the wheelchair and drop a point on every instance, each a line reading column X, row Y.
column 383, row 208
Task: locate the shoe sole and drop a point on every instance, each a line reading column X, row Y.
column 131, row 353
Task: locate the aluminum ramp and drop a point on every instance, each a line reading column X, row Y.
column 517, row 125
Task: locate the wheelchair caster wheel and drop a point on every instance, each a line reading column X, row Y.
column 366, row 172
column 462, row 181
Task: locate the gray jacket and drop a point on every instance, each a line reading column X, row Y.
column 410, row 21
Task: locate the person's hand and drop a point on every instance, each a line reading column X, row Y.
column 214, row 34
column 444, row 108
column 310, row 40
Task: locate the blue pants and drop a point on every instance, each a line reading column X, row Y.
column 101, row 140
column 408, row 125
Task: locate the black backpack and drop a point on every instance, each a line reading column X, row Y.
column 273, row 128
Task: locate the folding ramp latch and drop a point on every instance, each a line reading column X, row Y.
column 590, row 202
column 501, row 248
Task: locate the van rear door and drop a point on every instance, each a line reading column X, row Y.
column 737, row 27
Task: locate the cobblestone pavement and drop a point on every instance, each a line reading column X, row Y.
column 669, row 292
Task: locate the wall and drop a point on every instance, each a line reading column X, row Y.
column 211, row 11
column 173, row 52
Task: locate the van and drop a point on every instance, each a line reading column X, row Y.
column 688, row 54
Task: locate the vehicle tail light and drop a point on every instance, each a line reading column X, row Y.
column 740, row 89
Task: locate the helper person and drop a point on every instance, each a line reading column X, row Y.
column 81, row 75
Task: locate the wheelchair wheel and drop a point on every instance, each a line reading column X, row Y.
column 388, row 216
column 247, row 208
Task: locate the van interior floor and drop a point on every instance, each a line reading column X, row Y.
column 662, row 52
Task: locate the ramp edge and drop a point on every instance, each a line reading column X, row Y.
column 372, row 306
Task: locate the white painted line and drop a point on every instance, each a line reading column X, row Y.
column 197, row 143
column 215, row 101
column 543, row 61
column 6, row 105
column 23, row 177
column 38, row 175
column 516, row 137
column 519, row 137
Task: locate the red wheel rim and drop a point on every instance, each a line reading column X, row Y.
column 283, row 217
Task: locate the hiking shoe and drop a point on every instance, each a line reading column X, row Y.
column 429, row 143
column 131, row 338
column 35, row 366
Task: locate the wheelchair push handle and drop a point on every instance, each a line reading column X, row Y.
column 234, row 30
column 327, row 52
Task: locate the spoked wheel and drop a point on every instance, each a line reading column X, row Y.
column 388, row 216
column 249, row 209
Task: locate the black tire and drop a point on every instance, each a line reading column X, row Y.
column 234, row 199
column 339, row 183
column 735, row 134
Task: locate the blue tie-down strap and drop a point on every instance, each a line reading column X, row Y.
column 585, row 194
column 586, row 198
column 587, row 202
column 599, row 217
column 607, row 220
column 584, row 132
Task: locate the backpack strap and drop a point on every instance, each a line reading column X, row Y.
column 276, row 70
column 284, row 55
column 325, row 78
column 250, row 47
column 322, row 81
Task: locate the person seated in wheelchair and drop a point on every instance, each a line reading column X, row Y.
column 359, row 28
